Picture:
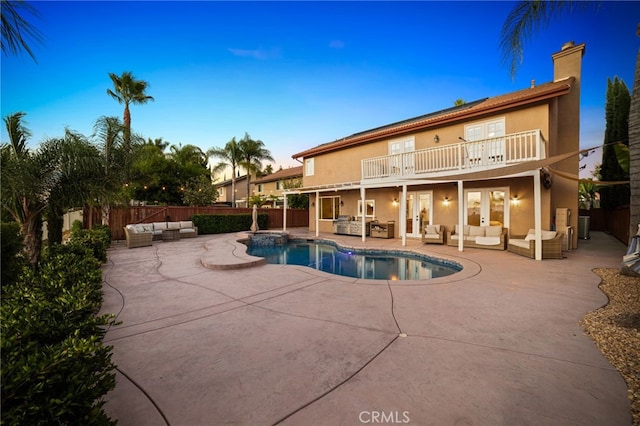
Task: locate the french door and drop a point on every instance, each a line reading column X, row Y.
column 486, row 207
column 419, row 212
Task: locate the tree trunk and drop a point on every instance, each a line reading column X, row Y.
column 32, row 231
column 233, row 186
column 634, row 153
column 55, row 225
column 105, row 213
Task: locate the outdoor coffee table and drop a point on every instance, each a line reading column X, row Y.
column 170, row 235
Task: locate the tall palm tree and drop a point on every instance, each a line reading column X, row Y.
column 16, row 31
column 253, row 154
column 231, row 155
column 109, row 134
column 128, row 90
column 527, row 18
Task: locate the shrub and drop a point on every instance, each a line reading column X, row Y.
column 12, row 245
column 223, row 223
column 97, row 239
column 55, row 369
column 103, row 228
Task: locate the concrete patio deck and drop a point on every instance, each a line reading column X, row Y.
column 497, row 344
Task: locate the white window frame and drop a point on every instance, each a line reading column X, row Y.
column 279, row 185
column 483, row 129
column 309, row 166
column 335, row 207
column 370, row 204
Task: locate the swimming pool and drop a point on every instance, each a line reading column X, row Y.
column 367, row 264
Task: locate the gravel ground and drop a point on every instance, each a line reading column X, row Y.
column 616, row 330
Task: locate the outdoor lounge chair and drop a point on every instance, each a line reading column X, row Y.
column 526, row 245
column 433, row 234
column 137, row 236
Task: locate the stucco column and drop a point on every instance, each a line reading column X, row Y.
column 317, row 213
column 461, row 215
column 364, row 212
column 537, row 213
column 284, row 214
column 403, row 215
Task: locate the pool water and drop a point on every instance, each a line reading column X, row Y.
column 369, row 264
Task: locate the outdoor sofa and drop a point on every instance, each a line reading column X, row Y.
column 486, row 237
column 142, row 234
column 525, row 245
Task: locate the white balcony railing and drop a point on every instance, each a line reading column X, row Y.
column 463, row 157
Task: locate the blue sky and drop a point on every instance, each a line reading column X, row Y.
column 295, row 74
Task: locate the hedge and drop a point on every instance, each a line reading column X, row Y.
column 224, row 223
column 12, row 260
column 55, row 369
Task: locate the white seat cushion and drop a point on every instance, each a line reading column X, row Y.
column 186, row 224
column 488, row 241
column 519, row 243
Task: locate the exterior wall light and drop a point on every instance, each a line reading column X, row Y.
column 445, row 201
column 395, row 202
column 515, row 200
column 436, row 138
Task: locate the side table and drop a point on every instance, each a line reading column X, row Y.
column 170, row 235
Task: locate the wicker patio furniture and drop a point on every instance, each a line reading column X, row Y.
column 433, row 234
column 525, row 245
column 137, row 237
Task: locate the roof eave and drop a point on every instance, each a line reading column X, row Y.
column 399, row 131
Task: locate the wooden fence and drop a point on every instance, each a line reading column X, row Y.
column 614, row 222
column 119, row 217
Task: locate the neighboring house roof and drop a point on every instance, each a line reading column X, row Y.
column 228, row 181
column 463, row 112
column 289, row 173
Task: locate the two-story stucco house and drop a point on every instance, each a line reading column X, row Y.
column 502, row 160
column 272, row 186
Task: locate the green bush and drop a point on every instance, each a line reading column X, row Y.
column 55, row 369
column 12, row 260
column 223, row 223
column 97, row 239
column 103, row 228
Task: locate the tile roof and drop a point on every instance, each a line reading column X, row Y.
column 281, row 174
column 469, row 110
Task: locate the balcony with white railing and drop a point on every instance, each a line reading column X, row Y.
column 458, row 158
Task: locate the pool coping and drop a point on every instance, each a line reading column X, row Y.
column 230, row 252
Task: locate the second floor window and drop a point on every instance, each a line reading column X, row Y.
column 308, row 167
column 260, row 188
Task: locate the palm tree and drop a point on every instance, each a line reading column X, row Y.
column 253, row 154
column 109, row 133
column 16, row 30
column 128, row 90
column 161, row 144
column 231, row 155
column 526, row 18
column 26, row 180
column 76, row 182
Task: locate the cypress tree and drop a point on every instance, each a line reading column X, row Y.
column 617, row 130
